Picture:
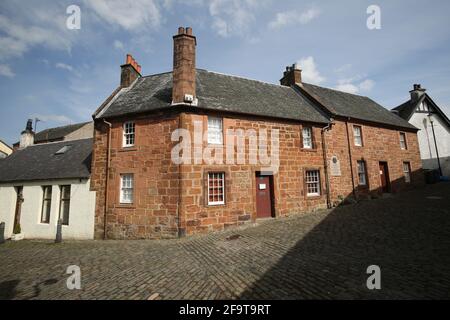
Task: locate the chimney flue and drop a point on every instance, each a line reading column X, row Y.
column 131, row 70
column 292, row 76
column 184, row 72
column 417, row 92
column 27, row 136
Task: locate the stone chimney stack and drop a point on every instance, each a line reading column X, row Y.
column 131, row 70
column 292, row 76
column 184, row 72
column 417, row 92
column 27, row 136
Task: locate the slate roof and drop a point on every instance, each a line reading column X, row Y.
column 39, row 162
column 58, row 133
column 406, row 110
column 216, row 92
column 354, row 106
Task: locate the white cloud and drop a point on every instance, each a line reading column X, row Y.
column 233, row 17
column 52, row 117
column 289, row 18
column 6, row 71
column 310, row 73
column 346, row 85
column 34, row 27
column 118, row 45
column 128, row 14
column 64, row 66
column 367, row 85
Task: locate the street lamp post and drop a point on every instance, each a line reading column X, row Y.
column 435, row 143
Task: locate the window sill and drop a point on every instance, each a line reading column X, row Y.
column 313, row 197
column 126, row 206
column 308, row 150
column 126, row 149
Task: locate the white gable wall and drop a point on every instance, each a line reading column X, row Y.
column 81, row 214
column 426, row 141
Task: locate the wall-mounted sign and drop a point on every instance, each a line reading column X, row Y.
column 335, row 167
column 262, row 186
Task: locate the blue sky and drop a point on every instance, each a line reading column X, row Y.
column 62, row 75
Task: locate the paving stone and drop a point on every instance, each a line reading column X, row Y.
column 322, row 255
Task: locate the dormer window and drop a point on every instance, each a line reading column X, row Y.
column 128, row 134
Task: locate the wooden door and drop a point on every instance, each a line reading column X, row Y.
column 384, row 176
column 264, row 196
column 19, row 201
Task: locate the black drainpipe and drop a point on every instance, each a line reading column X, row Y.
column 325, row 162
column 350, row 159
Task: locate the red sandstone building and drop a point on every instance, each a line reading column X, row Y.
column 332, row 147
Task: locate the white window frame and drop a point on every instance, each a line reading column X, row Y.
column 213, row 176
column 63, row 200
column 307, row 138
column 215, row 130
column 312, row 180
column 357, row 136
column 129, row 134
column 403, row 143
column 407, row 173
column 362, row 173
column 48, row 201
column 126, row 184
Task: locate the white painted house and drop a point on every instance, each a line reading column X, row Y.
column 434, row 135
column 40, row 184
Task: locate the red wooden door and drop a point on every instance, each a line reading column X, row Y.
column 263, row 197
column 384, row 176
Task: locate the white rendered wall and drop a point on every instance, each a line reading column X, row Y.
column 81, row 212
column 426, row 141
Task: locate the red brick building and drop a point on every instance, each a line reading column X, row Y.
column 323, row 147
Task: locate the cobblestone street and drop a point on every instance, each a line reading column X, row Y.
column 321, row 255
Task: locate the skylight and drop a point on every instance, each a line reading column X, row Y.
column 64, row 149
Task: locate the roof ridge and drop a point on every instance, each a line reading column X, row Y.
column 68, row 125
column 56, row 142
column 244, row 78
column 340, row 91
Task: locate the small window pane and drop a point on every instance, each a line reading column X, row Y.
column 358, row 135
column 64, row 205
column 313, row 183
column 362, row 173
column 46, row 204
column 126, row 188
column 407, row 171
column 307, row 137
column 403, row 144
column 215, row 130
column 128, row 134
column 216, row 188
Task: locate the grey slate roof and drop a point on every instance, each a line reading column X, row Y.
column 39, row 162
column 406, row 110
column 217, row 92
column 355, row 106
column 58, row 133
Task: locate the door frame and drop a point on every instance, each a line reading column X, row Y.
column 388, row 179
column 271, row 190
